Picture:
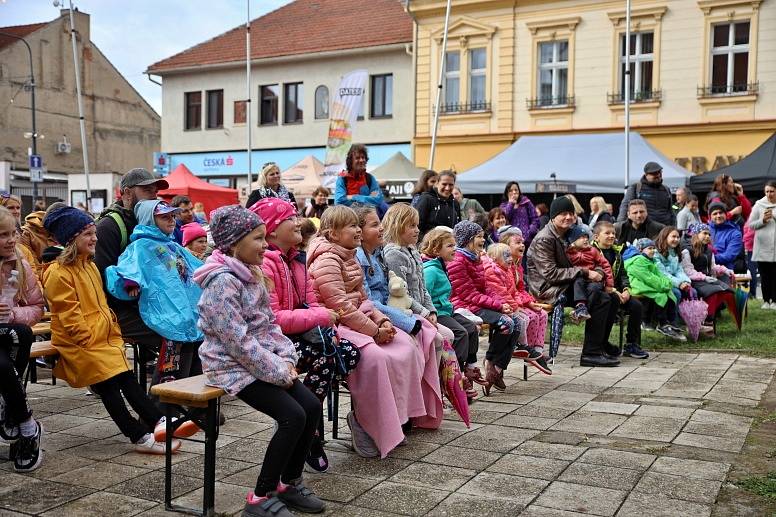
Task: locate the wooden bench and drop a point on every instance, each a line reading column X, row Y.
column 42, row 328
column 191, row 392
column 39, row 349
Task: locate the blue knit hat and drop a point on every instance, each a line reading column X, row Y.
column 575, row 232
column 229, row 224
column 66, row 223
column 643, row 243
column 464, row 232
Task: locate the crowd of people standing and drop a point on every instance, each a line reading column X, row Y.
column 275, row 303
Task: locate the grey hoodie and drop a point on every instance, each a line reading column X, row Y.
column 764, row 233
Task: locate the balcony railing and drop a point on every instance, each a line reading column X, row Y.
column 720, row 90
column 648, row 96
column 566, row 101
column 464, row 107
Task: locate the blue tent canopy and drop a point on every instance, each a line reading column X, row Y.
column 593, row 163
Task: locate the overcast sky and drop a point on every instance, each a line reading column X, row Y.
column 136, row 33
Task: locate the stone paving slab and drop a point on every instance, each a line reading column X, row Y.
column 581, row 442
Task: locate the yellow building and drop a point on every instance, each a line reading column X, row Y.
column 703, row 75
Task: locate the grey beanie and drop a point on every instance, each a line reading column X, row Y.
column 464, row 232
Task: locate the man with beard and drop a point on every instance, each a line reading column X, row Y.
column 655, row 195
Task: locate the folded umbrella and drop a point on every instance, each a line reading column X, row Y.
column 452, row 382
column 693, row 312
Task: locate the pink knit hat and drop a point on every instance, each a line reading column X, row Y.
column 273, row 211
column 192, row 231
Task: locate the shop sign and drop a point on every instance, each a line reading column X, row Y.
column 555, row 187
column 700, row 164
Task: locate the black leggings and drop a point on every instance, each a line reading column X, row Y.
column 466, row 337
column 501, row 345
column 15, row 343
column 767, row 280
column 297, row 412
column 110, row 392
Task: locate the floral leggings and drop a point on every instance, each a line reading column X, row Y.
column 533, row 326
column 322, row 368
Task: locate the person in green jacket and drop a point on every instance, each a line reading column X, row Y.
column 648, row 282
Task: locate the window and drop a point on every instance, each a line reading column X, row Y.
column 730, row 57
column 322, row 102
column 269, row 104
column 293, row 107
column 452, row 85
column 477, row 70
column 552, row 87
column 641, row 58
column 215, row 109
column 193, row 113
column 381, row 104
column 239, row 112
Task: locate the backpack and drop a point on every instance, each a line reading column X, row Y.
column 122, row 227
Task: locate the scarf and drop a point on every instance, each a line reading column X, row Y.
column 241, row 270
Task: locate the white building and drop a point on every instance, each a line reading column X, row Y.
column 299, row 54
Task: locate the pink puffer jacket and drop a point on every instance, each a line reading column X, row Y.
column 470, row 290
column 338, row 282
column 292, row 288
column 501, row 281
column 523, row 296
column 28, row 303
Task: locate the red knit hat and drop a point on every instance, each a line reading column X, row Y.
column 192, row 231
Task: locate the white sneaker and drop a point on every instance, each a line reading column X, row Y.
column 149, row 445
column 766, row 305
column 773, row 306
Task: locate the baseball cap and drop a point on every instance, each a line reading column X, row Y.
column 652, row 168
column 140, row 176
column 163, row 208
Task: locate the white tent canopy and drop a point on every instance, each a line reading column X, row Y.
column 591, row 162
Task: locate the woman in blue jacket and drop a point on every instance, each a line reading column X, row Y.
column 727, row 239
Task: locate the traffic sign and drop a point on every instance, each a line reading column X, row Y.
column 36, row 161
column 36, row 174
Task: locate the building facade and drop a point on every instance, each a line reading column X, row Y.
column 294, row 79
column 703, row 75
column 122, row 129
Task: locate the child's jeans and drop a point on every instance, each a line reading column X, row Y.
column 296, row 411
column 501, row 345
column 111, row 391
column 584, row 288
column 15, row 343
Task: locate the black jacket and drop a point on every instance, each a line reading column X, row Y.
column 109, row 242
column 436, row 211
column 626, row 233
column 657, row 198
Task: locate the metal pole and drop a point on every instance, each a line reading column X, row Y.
column 81, row 121
column 32, row 103
column 627, row 90
column 248, row 108
column 442, row 66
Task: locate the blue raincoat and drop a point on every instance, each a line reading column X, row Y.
column 163, row 270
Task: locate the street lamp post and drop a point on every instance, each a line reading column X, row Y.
column 32, row 102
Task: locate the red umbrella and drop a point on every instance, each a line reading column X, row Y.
column 451, row 379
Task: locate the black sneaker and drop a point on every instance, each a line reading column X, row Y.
column 26, row 452
column 540, row 363
column 611, row 350
column 316, row 458
column 271, row 506
column 669, row 332
column 299, row 497
column 8, row 433
column 580, row 313
column 635, row 351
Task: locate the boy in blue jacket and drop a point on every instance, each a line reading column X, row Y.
column 159, row 271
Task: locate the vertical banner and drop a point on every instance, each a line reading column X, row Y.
column 344, row 112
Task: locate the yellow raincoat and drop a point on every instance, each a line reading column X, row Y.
column 83, row 329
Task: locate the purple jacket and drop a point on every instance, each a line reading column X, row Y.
column 523, row 216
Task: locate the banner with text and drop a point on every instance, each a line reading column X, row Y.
column 344, row 112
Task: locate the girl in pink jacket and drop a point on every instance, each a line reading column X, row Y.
column 396, row 378
column 298, row 313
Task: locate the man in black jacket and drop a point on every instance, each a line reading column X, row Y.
column 651, row 190
column 437, row 207
column 114, row 226
column 638, row 225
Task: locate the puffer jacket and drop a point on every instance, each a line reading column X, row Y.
column 657, row 198
column 590, row 258
column 470, row 290
column 339, row 285
column 523, row 296
column 646, row 279
column 376, row 288
column 27, row 307
column 163, row 270
column 292, row 297
column 501, row 281
column 728, row 244
column 671, row 267
column 764, row 249
column 83, row 329
column 550, row 271
column 35, row 238
column 242, row 341
column 522, row 216
column 438, row 285
column 406, row 263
